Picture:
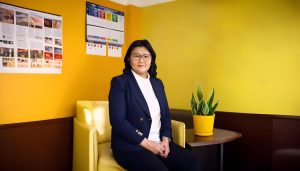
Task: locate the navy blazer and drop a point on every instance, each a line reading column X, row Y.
column 129, row 113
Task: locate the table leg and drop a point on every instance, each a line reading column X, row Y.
column 221, row 156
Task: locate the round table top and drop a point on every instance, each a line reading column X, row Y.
column 220, row 136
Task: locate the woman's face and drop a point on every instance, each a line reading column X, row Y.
column 140, row 61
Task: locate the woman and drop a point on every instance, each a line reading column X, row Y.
column 140, row 117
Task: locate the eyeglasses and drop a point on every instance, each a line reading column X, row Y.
column 137, row 57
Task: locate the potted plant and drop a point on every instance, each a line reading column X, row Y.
column 203, row 113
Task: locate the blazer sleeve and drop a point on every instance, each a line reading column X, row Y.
column 117, row 113
column 166, row 129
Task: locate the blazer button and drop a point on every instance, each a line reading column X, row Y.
column 141, row 119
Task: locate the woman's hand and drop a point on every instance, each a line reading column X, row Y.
column 165, row 144
column 153, row 146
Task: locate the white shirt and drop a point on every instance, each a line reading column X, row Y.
column 153, row 105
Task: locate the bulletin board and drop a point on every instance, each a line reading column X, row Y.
column 30, row 41
column 104, row 27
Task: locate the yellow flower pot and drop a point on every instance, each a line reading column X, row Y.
column 203, row 125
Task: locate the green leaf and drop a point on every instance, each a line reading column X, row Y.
column 211, row 99
column 205, row 108
column 193, row 104
column 199, row 107
column 213, row 109
column 199, row 93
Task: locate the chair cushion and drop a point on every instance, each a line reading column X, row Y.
column 106, row 159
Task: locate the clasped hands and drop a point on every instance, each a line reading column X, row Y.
column 161, row 149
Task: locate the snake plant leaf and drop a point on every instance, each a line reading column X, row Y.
column 205, row 108
column 199, row 93
column 211, row 99
column 199, row 107
column 213, row 109
column 193, row 104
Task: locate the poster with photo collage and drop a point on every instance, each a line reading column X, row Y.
column 30, row 41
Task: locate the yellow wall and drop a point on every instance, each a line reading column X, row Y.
column 247, row 50
column 30, row 97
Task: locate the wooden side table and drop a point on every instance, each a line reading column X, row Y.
column 220, row 137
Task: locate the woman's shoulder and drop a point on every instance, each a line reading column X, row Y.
column 121, row 77
column 156, row 79
column 118, row 77
column 119, row 81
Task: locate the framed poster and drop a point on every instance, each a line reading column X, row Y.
column 30, row 41
column 103, row 25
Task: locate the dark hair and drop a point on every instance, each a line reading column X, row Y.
column 141, row 43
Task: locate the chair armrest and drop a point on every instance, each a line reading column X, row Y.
column 83, row 147
column 178, row 132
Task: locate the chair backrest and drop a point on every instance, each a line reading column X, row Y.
column 96, row 115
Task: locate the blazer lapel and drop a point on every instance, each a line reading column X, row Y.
column 159, row 94
column 137, row 92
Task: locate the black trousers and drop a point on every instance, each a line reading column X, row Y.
column 179, row 159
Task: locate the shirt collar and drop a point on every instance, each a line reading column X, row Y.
column 137, row 76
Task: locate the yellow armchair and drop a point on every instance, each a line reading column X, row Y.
column 92, row 135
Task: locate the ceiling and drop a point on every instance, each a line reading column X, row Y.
column 140, row 3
